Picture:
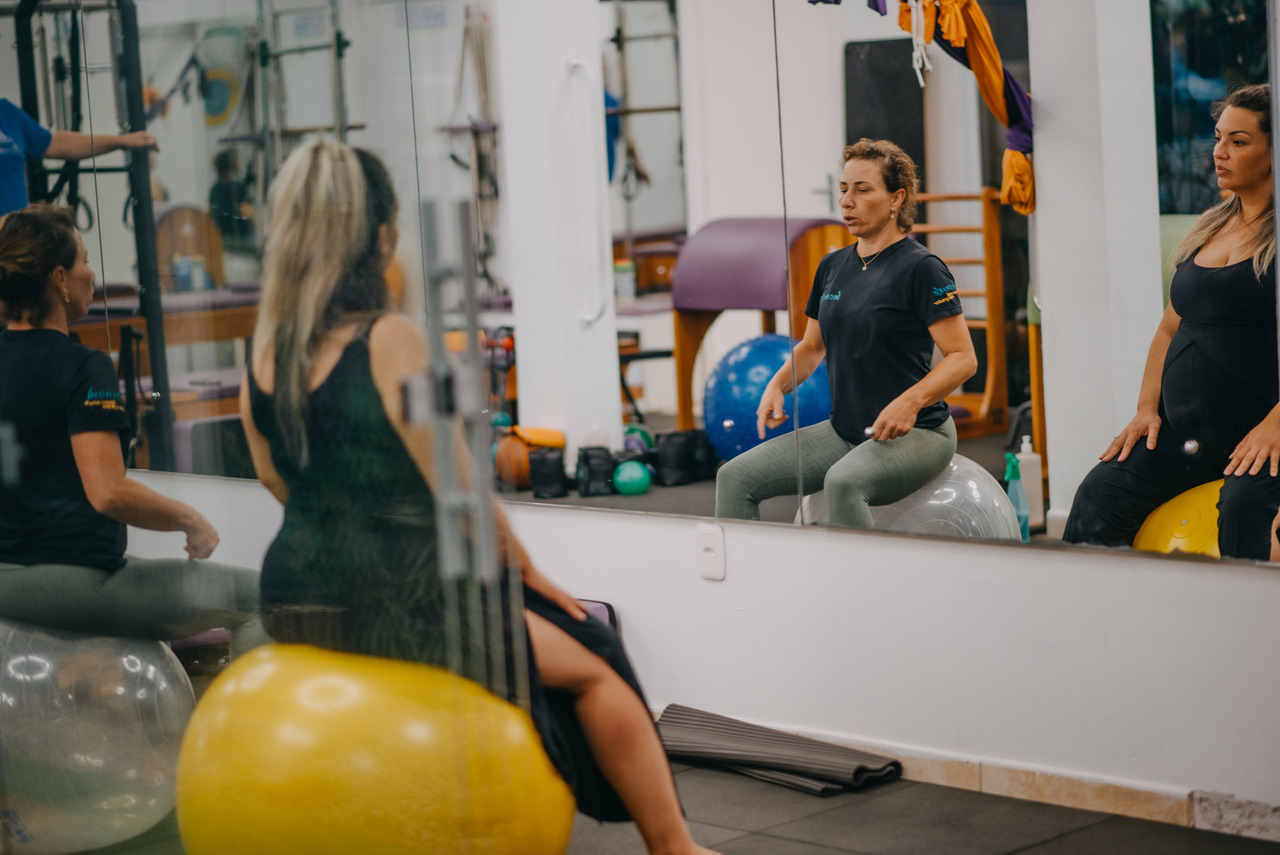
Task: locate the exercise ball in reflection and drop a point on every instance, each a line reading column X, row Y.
column 1186, row 523
column 963, row 501
column 90, row 729
column 733, row 393
column 298, row 749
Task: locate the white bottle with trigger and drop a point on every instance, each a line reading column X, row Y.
column 1032, row 483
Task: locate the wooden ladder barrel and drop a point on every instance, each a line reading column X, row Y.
column 988, row 409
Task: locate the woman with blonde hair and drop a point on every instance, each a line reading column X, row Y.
column 1208, row 403
column 356, row 564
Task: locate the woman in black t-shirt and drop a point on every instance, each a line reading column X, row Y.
column 1208, row 403
column 65, row 497
column 876, row 312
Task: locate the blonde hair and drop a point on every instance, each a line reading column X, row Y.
column 1262, row 246
column 320, row 263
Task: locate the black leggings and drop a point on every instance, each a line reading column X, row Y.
column 1115, row 498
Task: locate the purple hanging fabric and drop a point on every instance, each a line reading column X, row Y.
column 878, row 6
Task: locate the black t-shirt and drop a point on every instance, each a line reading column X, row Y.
column 875, row 324
column 50, row 389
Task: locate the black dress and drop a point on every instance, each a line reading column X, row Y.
column 1218, row 382
column 355, row 566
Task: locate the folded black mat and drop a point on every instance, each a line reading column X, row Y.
column 810, row 765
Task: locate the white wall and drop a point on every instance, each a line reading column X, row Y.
column 1096, row 227
column 547, row 72
column 1120, row 668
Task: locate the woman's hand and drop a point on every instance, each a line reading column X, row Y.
column 770, row 413
column 544, row 586
column 895, row 420
column 202, row 537
column 1143, row 424
column 1259, row 446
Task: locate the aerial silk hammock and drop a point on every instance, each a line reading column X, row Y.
column 962, row 31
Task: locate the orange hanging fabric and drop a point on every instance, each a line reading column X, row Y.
column 963, row 26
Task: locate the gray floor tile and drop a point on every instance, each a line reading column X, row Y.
column 621, row 838
column 1138, row 837
column 929, row 819
column 764, row 844
column 730, row 800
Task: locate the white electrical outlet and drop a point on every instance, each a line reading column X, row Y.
column 710, row 551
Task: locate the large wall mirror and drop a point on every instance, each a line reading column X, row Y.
column 695, row 139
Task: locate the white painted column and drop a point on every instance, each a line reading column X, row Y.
column 729, row 90
column 1096, row 231
column 554, row 214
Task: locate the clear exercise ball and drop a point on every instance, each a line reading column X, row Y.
column 90, row 729
column 963, row 501
column 299, row 749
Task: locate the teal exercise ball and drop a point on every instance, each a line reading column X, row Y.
column 631, row 478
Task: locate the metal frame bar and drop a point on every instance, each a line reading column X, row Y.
column 160, row 434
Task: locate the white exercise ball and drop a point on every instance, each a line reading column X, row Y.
column 963, row 501
column 90, row 729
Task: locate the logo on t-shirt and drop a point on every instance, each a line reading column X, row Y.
column 944, row 293
column 826, row 297
column 108, row 400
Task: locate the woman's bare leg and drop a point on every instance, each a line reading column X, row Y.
column 621, row 735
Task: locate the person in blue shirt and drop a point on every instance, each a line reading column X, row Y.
column 22, row 138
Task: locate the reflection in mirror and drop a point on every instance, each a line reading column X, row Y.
column 680, row 145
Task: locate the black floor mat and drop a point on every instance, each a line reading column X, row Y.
column 805, row 764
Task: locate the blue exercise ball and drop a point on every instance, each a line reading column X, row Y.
column 734, row 389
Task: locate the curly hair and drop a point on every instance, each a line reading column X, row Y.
column 33, row 243
column 896, row 168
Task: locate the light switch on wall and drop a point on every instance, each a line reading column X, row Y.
column 711, row 551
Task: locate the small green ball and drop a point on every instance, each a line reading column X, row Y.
column 502, row 419
column 631, row 478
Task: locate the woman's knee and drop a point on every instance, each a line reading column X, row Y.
column 843, row 486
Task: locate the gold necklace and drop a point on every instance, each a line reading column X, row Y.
column 866, row 261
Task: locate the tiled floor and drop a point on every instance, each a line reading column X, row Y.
column 741, row 816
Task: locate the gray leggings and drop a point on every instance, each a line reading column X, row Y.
column 164, row 599
column 855, row 477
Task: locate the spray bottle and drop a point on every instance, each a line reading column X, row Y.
column 1032, row 483
column 1017, row 497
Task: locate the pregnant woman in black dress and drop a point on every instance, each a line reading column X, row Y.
column 1208, row 405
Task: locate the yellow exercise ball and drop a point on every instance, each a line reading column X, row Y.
column 1186, row 523
column 298, row 749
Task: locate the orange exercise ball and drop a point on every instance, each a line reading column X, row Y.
column 1186, row 523
column 299, row 749
column 511, row 462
